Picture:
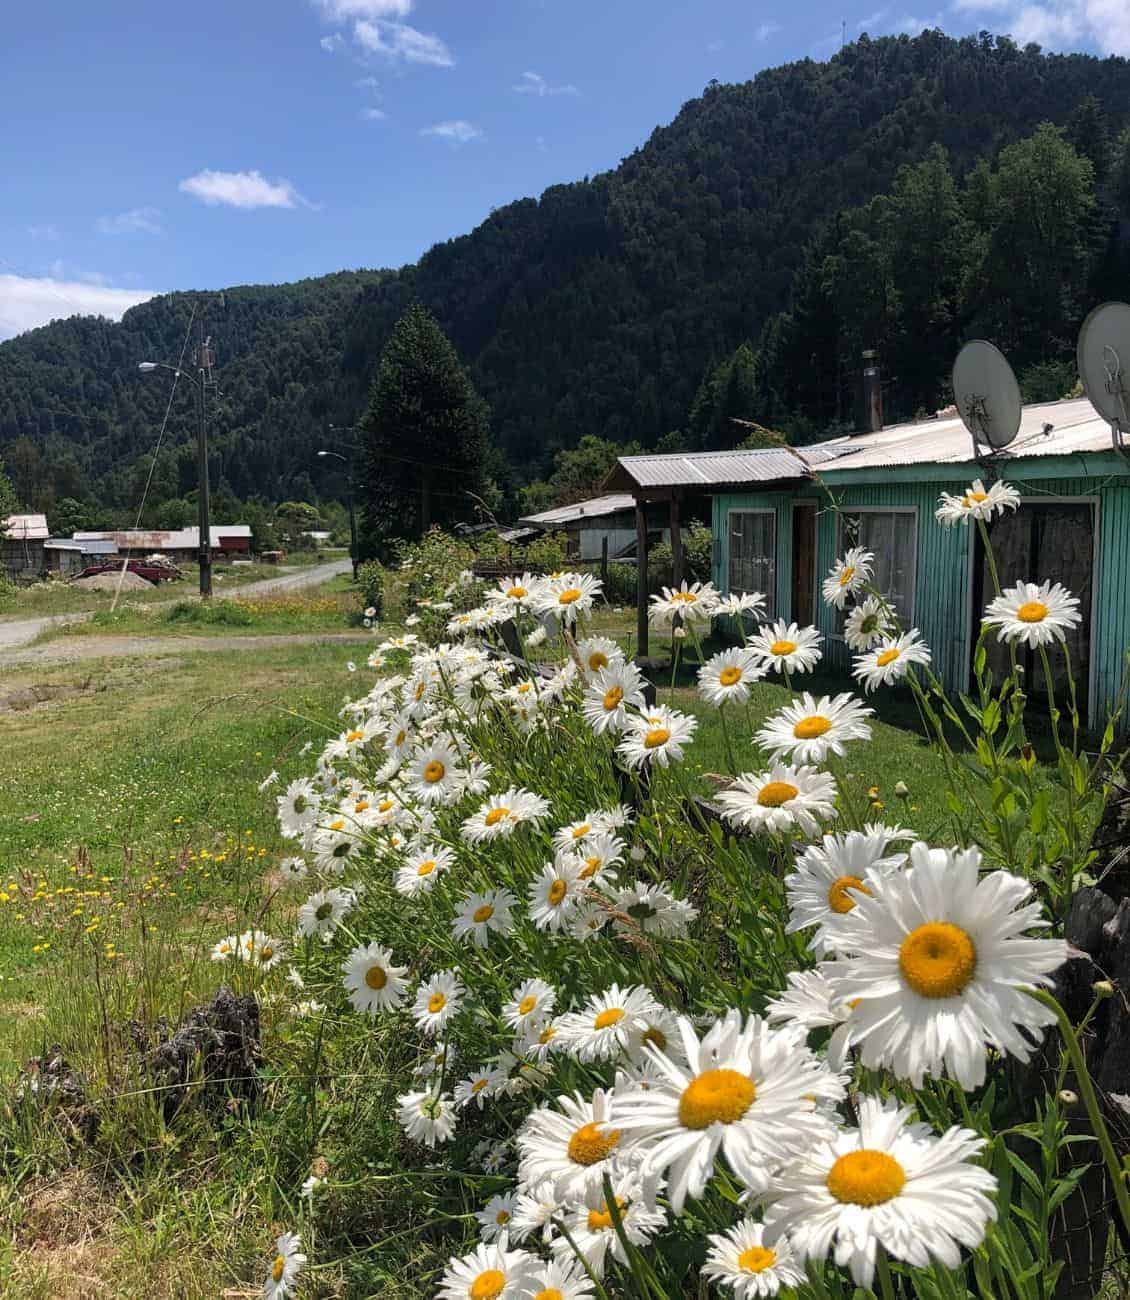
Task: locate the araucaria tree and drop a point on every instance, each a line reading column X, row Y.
column 425, row 437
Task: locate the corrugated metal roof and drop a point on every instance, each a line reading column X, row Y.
column 593, row 508
column 26, row 528
column 164, row 539
column 707, row 469
column 1075, row 426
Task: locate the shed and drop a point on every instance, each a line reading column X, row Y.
column 179, row 544
column 591, row 525
column 1073, row 526
column 21, row 546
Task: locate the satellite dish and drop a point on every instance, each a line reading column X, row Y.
column 987, row 395
column 1103, row 353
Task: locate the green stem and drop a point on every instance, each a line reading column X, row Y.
column 726, row 738
column 1091, row 1101
column 564, row 1231
column 886, row 1286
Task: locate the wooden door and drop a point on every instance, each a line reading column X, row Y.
column 804, row 563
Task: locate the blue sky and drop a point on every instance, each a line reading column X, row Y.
column 236, row 141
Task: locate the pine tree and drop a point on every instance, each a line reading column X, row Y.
column 425, row 437
column 7, row 499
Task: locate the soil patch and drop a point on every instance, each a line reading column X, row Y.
column 109, row 582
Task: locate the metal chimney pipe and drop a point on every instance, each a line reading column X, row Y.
column 872, row 393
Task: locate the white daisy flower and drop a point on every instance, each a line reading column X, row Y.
column 540, row 1041
column 555, row 892
column 809, row 1002
column 780, row 798
column 259, row 949
column 1033, row 615
column 655, row 910
column 785, row 647
column 422, row 869
column 740, row 1259
column 560, row 1279
column 372, row 980
column 426, row 1117
column 495, row 1160
column 515, row 590
column 569, row 1148
column 574, row 834
column 491, row 1272
column 750, row 1092
column 808, row 729
column 737, row 604
column 889, row 1183
column 502, row 814
column 610, row 694
column 976, row 502
column 612, row 819
column 939, row 965
column 534, row 1211
column 605, row 1025
column 441, row 1058
column 494, row 1218
column 828, row 878
column 438, row 1001
column 591, row 1226
column 848, row 576
column 693, row 603
column 285, row 1268
column 599, row 856
column 530, row 1004
column 597, row 653
column 868, row 623
column 298, row 808
column 728, row 676
column 323, row 912
column 483, row 915
column 656, row 738
column 567, row 596
column 479, row 1087
column 269, row 780
column 536, row 637
column 434, row 773
column 224, row 948
column 292, row 868
column 889, row 660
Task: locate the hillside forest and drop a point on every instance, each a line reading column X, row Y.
column 904, row 196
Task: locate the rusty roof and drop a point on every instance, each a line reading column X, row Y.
column 25, row 528
column 714, row 469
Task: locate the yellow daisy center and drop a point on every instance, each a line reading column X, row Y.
column 606, row 1019
column 479, row 1085
column 839, row 900
column 502, row 1218
column 590, row 1144
column 437, row 1002
column 601, row 1220
column 612, row 698
column 557, row 892
column 483, row 913
column 866, row 1178
column 811, row 727
column 266, row 952
column 549, row 1293
column 579, row 832
column 1032, row 611
column 495, row 816
column 278, row 1268
column 338, row 824
column 937, row 959
column 591, row 867
column 782, row 647
column 729, row 675
column 887, row 657
column 974, row 498
column 569, row 596
column 517, row 593
column 527, row 1004
column 488, row 1285
column 401, row 737
column 546, row 1034
column 376, row 978
column 716, row 1097
column 434, row 771
column 847, row 575
column 757, row 1259
column 655, row 1036
column 655, row 737
column 523, row 687
column 385, row 805
column 776, row 793
column 597, row 660
column 353, row 736
column 426, row 868
column 420, row 689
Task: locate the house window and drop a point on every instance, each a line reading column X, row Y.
column 753, row 555
column 892, row 536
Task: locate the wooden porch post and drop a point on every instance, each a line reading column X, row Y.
column 676, row 542
column 641, row 578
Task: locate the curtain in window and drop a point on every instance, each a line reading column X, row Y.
column 753, row 562
column 891, row 537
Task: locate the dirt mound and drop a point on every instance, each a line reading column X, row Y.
column 109, row 582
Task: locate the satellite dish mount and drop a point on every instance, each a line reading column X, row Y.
column 1103, row 353
column 987, row 396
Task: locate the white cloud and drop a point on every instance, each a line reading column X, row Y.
column 331, row 44
column 372, row 115
column 1060, row 24
column 872, row 21
column 533, row 83
column 46, row 231
column 367, row 83
column 343, row 10
column 28, row 301
column 911, row 26
column 765, row 30
column 240, row 190
column 399, row 41
column 137, row 221
column 457, row 132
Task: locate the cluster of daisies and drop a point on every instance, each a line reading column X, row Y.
column 617, row 1105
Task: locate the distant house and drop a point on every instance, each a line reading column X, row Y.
column 65, row 556
column 318, row 536
column 182, row 545
column 21, row 546
column 588, row 524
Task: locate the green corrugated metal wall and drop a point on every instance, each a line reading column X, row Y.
column 942, row 576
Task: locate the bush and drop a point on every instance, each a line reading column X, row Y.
column 371, row 581
column 1047, row 381
column 222, row 613
column 620, row 585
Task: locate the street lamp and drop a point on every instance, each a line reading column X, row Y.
column 349, row 501
column 204, row 364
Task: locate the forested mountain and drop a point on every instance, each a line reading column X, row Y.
column 898, row 196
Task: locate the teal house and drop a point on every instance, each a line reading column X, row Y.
column 781, row 517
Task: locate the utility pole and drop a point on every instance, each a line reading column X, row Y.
column 203, row 492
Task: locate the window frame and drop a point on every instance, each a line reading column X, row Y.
column 771, row 596
column 841, row 545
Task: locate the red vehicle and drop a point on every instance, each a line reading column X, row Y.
column 154, row 573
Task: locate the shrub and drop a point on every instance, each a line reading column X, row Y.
column 222, row 613
column 371, row 581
